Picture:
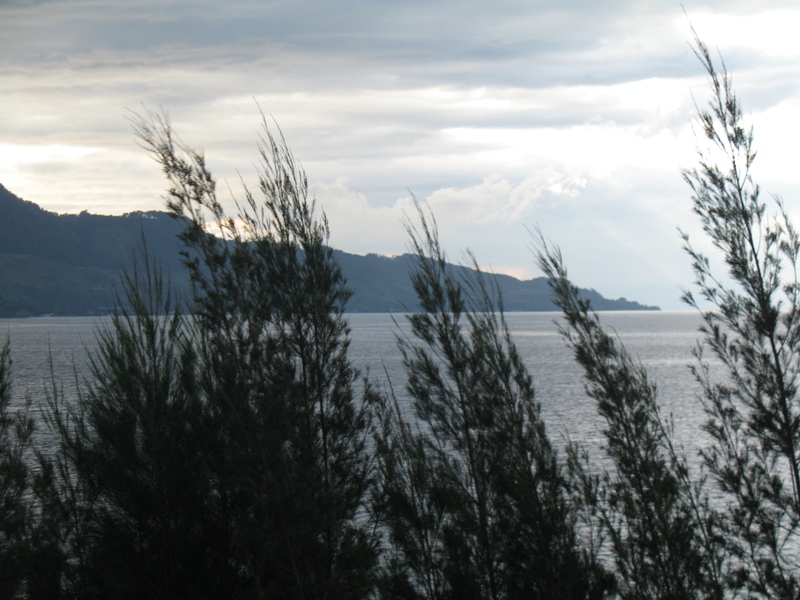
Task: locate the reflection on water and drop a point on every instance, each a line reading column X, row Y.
column 661, row 340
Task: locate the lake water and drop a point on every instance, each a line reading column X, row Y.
column 661, row 340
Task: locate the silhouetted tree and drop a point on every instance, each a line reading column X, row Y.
column 662, row 533
column 30, row 557
column 15, row 433
column 290, row 454
column 753, row 331
column 473, row 494
column 140, row 514
column 222, row 454
column 667, row 541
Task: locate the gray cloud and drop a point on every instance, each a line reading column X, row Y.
column 572, row 114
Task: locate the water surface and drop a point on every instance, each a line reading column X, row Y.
column 661, row 340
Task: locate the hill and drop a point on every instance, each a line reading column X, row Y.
column 70, row 265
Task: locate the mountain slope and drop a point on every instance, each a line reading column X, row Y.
column 70, row 265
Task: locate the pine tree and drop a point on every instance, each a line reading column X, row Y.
column 137, row 498
column 291, row 455
column 752, row 331
column 15, row 433
column 475, row 501
column 31, row 560
column 662, row 533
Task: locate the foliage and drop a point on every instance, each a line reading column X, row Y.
column 753, row 331
column 289, row 430
column 474, row 498
column 15, row 432
column 663, row 535
column 30, row 559
column 140, row 515
column 222, row 454
column 666, row 539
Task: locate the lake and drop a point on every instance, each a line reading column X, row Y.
column 661, row 340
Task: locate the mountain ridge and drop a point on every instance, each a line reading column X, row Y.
column 70, row 264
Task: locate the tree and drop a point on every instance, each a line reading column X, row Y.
column 753, row 331
column 667, row 539
column 473, row 494
column 139, row 512
column 30, row 557
column 662, row 532
column 290, row 432
column 15, row 434
column 224, row 453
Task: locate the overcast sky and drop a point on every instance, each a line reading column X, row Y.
column 571, row 115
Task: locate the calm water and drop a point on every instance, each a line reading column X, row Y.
column 661, row 340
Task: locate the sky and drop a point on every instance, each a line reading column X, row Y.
column 573, row 116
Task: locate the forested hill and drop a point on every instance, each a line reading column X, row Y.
column 70, row 264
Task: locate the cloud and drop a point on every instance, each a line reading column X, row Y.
column 496, row 203
column 496, row 200
column 571, row 114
